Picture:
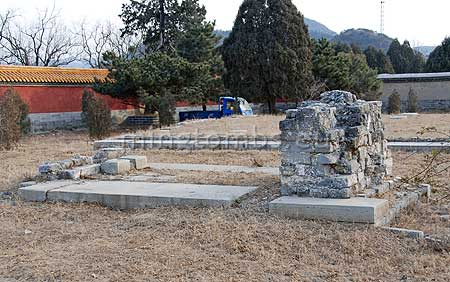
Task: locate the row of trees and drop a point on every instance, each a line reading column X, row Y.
column 167, row 51
column 268, row 56
column 402, row 58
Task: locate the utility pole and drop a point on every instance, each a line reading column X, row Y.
column 382, row 16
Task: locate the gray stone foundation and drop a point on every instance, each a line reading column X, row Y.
column 333, row 148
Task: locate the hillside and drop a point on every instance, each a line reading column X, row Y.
column 364, row 38
column 361, row 37
column 316, row 30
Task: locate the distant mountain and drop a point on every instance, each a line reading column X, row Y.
column 361, row 37
column 222, row 34
column 364, row 38
column 318, row 30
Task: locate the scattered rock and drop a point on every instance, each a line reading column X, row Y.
column 415, row 234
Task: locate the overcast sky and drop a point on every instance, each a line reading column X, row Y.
column 422, row 22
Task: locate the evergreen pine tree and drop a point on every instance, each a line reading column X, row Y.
column 439, row 60
column 395, row 54
column 268, row 54
column 412, row 101
column 376, row 59
column 405, row 59
column 344, row 70
column 394, row 103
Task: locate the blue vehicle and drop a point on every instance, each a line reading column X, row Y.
column 228, row 106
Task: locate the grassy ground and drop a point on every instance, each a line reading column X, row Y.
column 408, row 128
column 34, row 150
column 88, row 243
column 60, row 242
column 269, row 126
column 236, row 126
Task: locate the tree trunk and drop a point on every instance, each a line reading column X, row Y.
column 271, row 103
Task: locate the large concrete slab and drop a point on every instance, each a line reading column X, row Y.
column 130, row 195
column 354, row 210
column 216, row 168
column 38, row 192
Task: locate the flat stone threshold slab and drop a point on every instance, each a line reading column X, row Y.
column 131, row 195
column 354, row 210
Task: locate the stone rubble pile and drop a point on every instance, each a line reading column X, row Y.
column 334, row 148
column 107, row 161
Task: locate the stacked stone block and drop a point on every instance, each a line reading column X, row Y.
column 333, row 148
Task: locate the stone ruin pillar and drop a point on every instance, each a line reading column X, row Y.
column 334, row 148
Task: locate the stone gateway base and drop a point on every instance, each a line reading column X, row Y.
column 333, row 148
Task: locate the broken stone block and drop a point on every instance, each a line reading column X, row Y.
column 326, row 159
column 74, row 174
column 80, row 172
column 82, row 160
column 50, row 168
column 116, row 166
column 137, row 162
column 107, row 154
column 66, row 164
column 415, row 234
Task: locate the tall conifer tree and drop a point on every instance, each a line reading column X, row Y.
column 268, row 54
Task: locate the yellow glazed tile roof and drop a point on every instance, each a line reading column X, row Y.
column 50, row 75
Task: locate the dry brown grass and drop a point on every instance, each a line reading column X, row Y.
column 408, row 165
column 409, row 127
column 242, row 158
column 426, row 217
column 60, row 242
column 265, row 125
column 269, row 126
column 23, row 162
column 86, row 243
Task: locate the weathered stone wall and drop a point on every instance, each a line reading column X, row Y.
column 333, row 148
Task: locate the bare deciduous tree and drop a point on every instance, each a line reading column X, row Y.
column 100, row 39
column 45, row 42
column 5, row 19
